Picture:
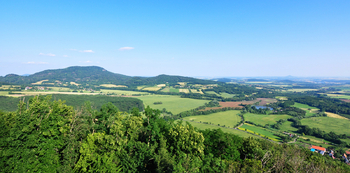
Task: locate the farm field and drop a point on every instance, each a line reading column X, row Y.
column 59, row 89
column 333, row 115
column 306, row 108
column 152, row 88
column 227, row 118
column 170, row 89
column 184, row 91
column 260, row 131
column 287, row 127
column 212, row 92
column 4, row 93
column 33, row 93
column 113, row 86
column 301, row 90
column 196, row 91
column 339, row 96
column 257, row 82
column 227, row 95
column 40, row 82
column 226, row 130
column 299, row 105
column 328, row 124
column 174, row 104
column 281, row 98
column 73, row 83
column 264, row 119
column 123, row 92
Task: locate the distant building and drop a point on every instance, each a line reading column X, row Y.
column 318, row 149
column 28, row 88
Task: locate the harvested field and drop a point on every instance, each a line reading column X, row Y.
column 39, row 82
column 196, row 91
column 113, row 86
column 265, row 101
column 161, row 85
column 73, row 83
column 151, row 88
column 335, row 116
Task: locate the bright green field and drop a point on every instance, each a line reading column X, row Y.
column 259, row 130
column 212, row 92
column 287, row 126
column 227, row 118
column 227, row 95
column 227, row 130
column 299, row 105
column 328, row 124
column 174, row 104
column 264, row 119
column 4, row 93
column 120, row 92
column 170, row 89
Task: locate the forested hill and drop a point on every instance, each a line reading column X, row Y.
column 95, row 75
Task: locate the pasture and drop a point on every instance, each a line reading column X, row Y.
column 73, row 83
column 227, row 95
column 339, row 96
column 227, row 118
column 264, row 119
column 287, row 127
column 260, row 131
column 328, row 124
column 184, row 91
column 170, row 89
column 305, row 106
column 281, row 98
column 212, row 92
column 226, row 130
column 174, row 104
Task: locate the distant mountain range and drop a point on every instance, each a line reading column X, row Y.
column 95, row 75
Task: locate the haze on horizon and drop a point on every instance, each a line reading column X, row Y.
column 188, row 38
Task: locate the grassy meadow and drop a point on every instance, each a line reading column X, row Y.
column 174, row 104
column 264, row 119
column 260, row 131
column 226, row 130
column 339, row 96
column 301, row 90
column 306, row 108
column 328, row 124
column 227, row 118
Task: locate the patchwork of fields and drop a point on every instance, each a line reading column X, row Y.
column 328, row 124
column 174, row 104
column 264, row 119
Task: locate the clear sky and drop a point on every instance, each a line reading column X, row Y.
column 189, row 38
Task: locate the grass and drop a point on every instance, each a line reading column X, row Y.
column 227, row 95
column 227, row 118
column 299, row 105
column 287, row 127
column 301, row 90
column 170, row 89
column 260, row 131
column 4, row 93
column 339, row 96
column 184, row 90
column 226, row 130
column 281, row 98
column 73, row 83
column 174, row 104
column 264, row 119
column 328, row 124
column 123, row 92
column 212, row 92
column 333, row 115
column 59, row 89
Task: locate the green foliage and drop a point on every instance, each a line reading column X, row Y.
column 49, row 136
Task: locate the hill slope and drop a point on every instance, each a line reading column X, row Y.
column 95, row 75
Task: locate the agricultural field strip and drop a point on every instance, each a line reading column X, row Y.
column 264, row 119
column 328, row 124
column 259, row 131
column 227, row 118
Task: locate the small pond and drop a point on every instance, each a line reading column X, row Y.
column 263, row 107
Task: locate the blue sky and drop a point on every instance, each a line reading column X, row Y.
column 189, row 38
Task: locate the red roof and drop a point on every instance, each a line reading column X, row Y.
column 318, row 148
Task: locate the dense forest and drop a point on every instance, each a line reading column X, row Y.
column 124, row 104
column 49, row 136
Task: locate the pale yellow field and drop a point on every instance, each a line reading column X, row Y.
column 73, row 83
column 4, row 93
column 184, row 91
column 301, row 90
column 335, row 116
column 182, row 83
column 195, row 91
column 39, row 82
column 113, row 86
column 151, row 88
column 259, row 88
column 51, row 92
column 123, row 92
column 161, row 85
column 140, row 87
